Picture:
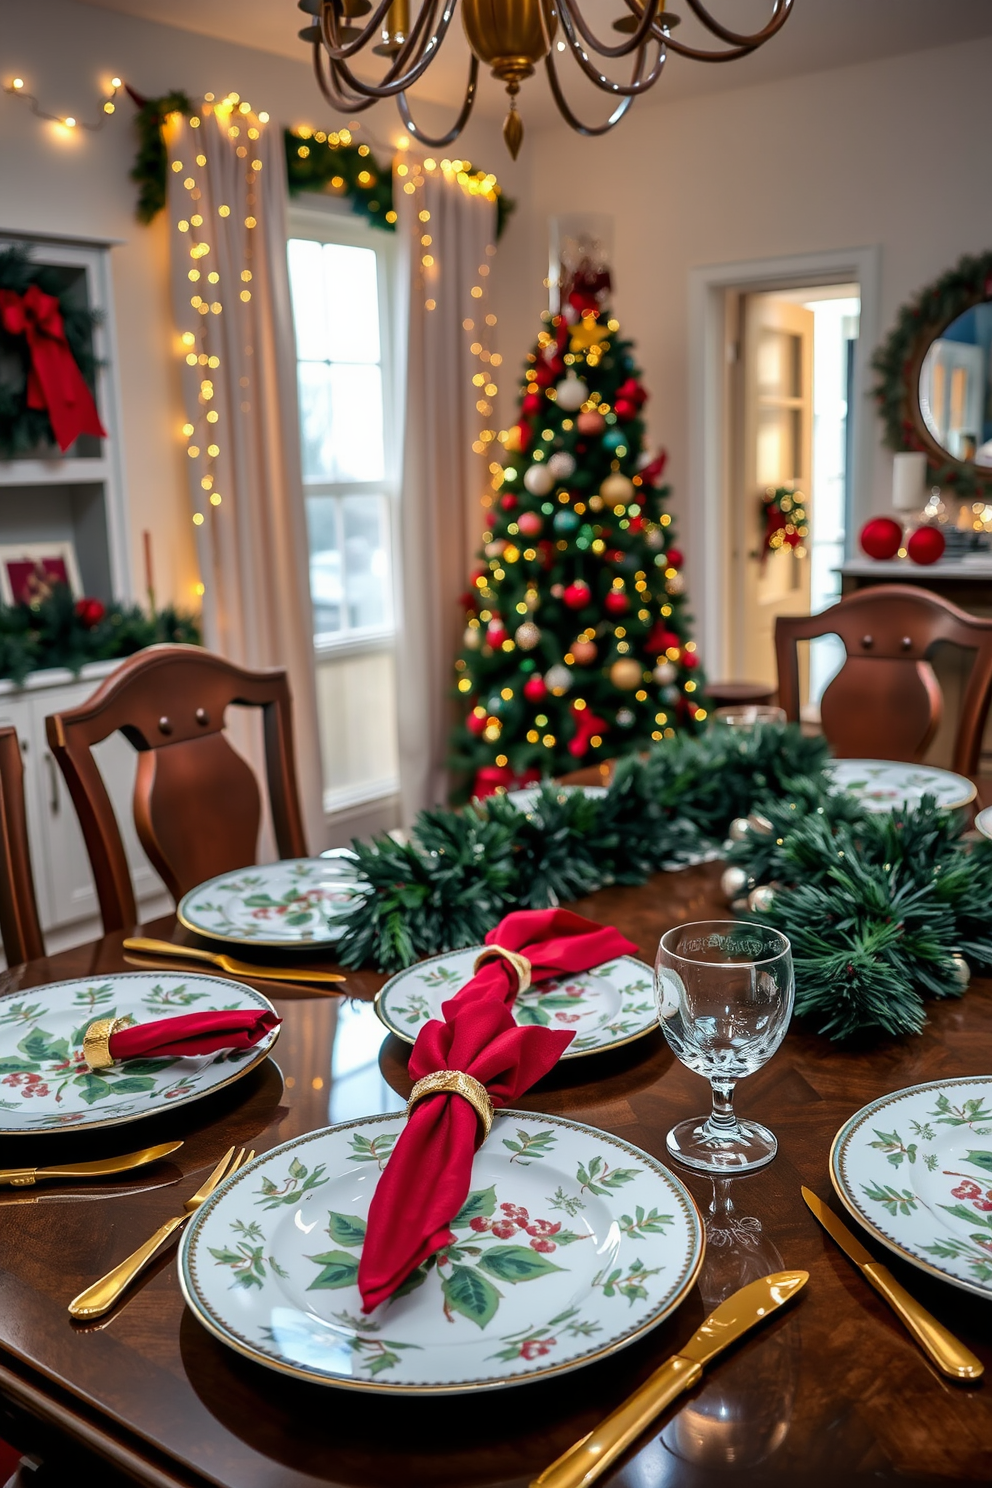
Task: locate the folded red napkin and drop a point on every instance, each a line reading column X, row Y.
column 192, row 1033
column 428, row 1176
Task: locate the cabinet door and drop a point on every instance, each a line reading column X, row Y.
column 16, row 712
column 72, row 893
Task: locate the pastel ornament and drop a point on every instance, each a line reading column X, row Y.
column 626, row 674
column 577, row 595
column 617, row 488
column 538, row 480
column 562, row 465
column 565, row 521
column 613, row 439
column 558, row 679
column 530, row 523
column 572, row 393
column 590, row 423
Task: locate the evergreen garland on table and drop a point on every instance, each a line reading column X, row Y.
column 60, row 632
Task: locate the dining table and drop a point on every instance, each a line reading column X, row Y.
column 832, row 1390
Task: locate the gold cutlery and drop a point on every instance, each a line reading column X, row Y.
column 101, row 1296
column 584, row 1462
column 950, row 1356
column 149, row 947
column 25, row 1177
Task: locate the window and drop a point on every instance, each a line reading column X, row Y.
column 339, row 274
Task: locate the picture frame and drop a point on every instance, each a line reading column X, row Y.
column 28, row 571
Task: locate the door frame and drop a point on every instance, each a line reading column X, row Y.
column 709, row 423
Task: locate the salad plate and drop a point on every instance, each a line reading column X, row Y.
column 570, row 1244
column 294, row 903
column 610, row 1005
column 45, row 1082
column 915, row 1168
column 885, row 785
column 983, row 822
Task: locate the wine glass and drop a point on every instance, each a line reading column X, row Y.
column 724, row 992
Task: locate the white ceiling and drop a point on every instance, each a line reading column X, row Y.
column 819, row 34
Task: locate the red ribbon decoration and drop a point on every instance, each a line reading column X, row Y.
column 55, row 382
column 587, row 725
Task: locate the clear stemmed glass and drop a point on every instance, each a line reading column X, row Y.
column 724, row 992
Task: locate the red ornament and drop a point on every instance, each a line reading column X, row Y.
column 495, row 634
column 489, row 779
column 625, row 409
column 544, row 375
column 690, row 660
column 882, row 538
column 509, row 502
column 577, row 595
column 636, row 524
column 662, row 639
column 475, row 722
column 531, row 404
column 530, row 523
column 89, row 612
column 655, row 470
column 617, row 602
column 631, row 391
column 675, row 558
column 926, row 545
column 534, row 690
column 590, row 423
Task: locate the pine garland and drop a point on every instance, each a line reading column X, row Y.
column 57, row 633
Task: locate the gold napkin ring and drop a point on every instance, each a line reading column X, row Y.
column 519, row 963
column 457, row 1083
column 96, row 1041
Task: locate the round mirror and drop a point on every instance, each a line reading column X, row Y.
column 955, row 389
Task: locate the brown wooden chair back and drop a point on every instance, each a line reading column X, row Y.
column 197, row 806
column 20, row 927
column 886, row 702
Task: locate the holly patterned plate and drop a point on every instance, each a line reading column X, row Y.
column 611, row 1005
column 46, row 1085
column 884, row 785
column 915, row 1168
column 293, row 903
column 983, row 821
column 571, row 1244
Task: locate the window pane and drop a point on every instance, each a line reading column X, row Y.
column 326, row 591
column 352, row 298
column 306, row 277
column 356, row 701
column 341, row 422
column 366, row 561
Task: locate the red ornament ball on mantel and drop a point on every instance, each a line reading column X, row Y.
column 577, row 595
column 926, row 545
column 535, row 690
column 881, row 537
column 90, row 612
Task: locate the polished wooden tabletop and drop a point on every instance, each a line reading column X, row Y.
column 832, row 1391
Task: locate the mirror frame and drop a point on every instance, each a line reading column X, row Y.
column 899, row 361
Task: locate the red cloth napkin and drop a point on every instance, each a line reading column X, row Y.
column 193, row 1033
column 428, row 1176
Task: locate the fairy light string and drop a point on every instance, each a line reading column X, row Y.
column 17, row 88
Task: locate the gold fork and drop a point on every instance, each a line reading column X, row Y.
column 101, row 1296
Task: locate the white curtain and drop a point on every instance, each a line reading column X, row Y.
column 447, row 239
column 227, row 205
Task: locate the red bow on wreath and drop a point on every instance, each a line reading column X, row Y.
column 55, row 382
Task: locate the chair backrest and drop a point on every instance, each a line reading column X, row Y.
column 20, row 927
column 197, row 806
column 886, row 702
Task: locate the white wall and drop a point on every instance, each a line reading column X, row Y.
column 893, row 153
column 79, row 186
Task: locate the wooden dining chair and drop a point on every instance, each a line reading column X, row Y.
column 197, row 805
column 20, row 927
column 886, row 702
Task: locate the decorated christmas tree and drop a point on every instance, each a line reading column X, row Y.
column 577, row 643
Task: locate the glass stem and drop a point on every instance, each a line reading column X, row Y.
column 722, row 1117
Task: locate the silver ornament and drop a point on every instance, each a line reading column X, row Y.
column 761, row 899
column 625, row 718
column 558, row 678
column 527, row 635
column 676, row 584
column 760, row 825
column 962, row 970
column 655, row 538
column 664, row 673
column 572, row 393
column 562, row 465
column 538, row 479
column 739, row 829
column 733, row 882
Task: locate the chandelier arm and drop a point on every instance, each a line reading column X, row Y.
column 328, row 22
column 648, row 17
column 330, row 89
column 460, row 122
column 731, row 55
column 570, row 118
column 780, row 14
column 391, row 84
column 637, row 84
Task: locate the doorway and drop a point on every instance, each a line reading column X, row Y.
column 789, row 477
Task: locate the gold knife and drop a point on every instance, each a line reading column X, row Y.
column 950, row 1356
column 26, row 1177
column 149, row 947
column 583, row 1463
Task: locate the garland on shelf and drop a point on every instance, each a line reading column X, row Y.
column 63, row 632
column 927, row 313
column 882, row 909
column 25, row 290
column 786, row 522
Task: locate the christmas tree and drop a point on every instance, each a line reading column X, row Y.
column 576, row 646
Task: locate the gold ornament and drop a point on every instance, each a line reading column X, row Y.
column 676, row 584
column 617, row 488
column 527, row 635
column 962, row 970
column 596, row 503
column 584, row 652
column 585, row 334
column 512, row 444
column 532, row 599
column 760, row 825
column 739, row 829
column 626, row 673
column 761, row 899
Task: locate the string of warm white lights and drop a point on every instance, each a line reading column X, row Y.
column 16, row 89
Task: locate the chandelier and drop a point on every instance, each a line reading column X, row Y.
column 511, row 37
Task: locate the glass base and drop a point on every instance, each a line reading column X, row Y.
column 740, row 1149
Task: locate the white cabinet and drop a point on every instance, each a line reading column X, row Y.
column 64, row 885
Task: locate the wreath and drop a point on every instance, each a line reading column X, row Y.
column 47, row 365
column 899, row 359
column 786, row 522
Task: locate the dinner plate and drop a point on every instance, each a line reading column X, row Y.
column 983, row 821
column 296, row 902
column 45, row 1083
column 610, row 1005
column 571, row 1244
column 528, row 797
column 915, row 1168
column 883, row 785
